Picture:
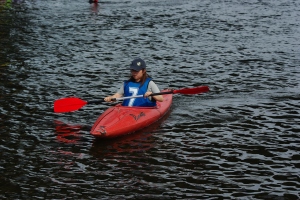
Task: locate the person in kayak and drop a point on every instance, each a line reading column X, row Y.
column 140, row 83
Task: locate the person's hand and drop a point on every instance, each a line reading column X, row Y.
column 147, row 94
column 108, row 99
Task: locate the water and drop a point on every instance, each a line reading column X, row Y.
column 239, row 141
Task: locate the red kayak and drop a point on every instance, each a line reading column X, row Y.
column 121, row 120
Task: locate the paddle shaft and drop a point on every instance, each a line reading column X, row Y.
column 130, row 97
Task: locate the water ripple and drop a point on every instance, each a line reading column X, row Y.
column 238, row 141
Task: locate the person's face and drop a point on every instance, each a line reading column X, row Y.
column 137, row 75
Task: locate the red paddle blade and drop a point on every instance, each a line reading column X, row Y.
column 195, row 90
column 68, row 104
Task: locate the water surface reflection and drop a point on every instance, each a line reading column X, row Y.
column 238, row 141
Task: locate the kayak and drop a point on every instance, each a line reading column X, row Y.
column 122, row 120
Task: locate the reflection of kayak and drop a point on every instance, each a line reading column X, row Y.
column 67, row 133
column 121, row 120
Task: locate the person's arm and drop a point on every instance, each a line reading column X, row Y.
column 152, row 88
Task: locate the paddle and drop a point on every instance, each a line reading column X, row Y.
column 70, row 104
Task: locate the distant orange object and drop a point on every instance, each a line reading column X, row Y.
column 93, row 1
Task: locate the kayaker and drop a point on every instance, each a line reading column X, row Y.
column 139, row 83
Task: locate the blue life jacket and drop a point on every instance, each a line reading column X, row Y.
column 133, row 89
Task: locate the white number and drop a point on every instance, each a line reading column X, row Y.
column 134, row 91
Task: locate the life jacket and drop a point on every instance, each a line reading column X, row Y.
column 135, row 88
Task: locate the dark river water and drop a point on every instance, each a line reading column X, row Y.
column 238, row 141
